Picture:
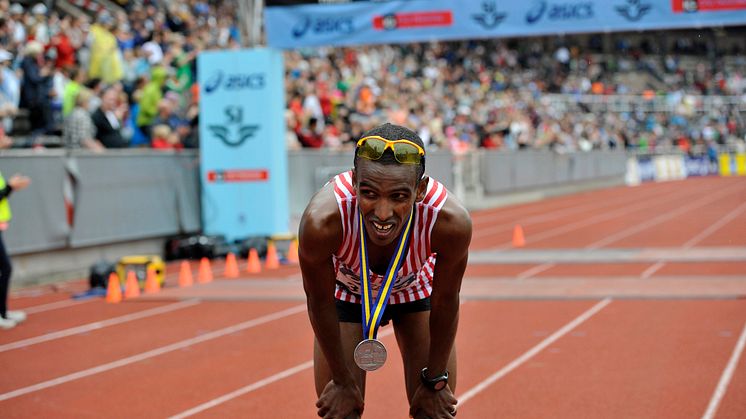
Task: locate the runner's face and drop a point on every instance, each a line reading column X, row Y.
column 386, row 194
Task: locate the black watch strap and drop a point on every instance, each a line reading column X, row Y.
column 436, row 383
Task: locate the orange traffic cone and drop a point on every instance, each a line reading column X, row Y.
column 293, row 251
column 152, row 285
column 185, row 274
column 113, row 289
column 271, row 261
column 205, row 271
column 253, row 265
column 132, row 287
column 518, row 239
column 231, row 267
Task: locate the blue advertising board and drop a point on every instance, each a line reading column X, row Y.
column 291, row 25
column 243, row 154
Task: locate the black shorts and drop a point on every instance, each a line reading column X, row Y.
column 353, row 312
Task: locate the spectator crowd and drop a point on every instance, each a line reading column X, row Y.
column 127, row 78
column 109, row 79
column 522, row 94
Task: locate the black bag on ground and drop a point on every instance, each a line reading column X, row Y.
column 100, row 271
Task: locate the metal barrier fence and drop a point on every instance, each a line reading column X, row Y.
column 659, row 104
column 127, row 195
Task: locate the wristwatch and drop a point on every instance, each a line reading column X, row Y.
column 436, row 383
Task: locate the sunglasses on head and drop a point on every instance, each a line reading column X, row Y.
column 405, row 151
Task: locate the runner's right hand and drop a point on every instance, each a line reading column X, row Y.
column 340, row 401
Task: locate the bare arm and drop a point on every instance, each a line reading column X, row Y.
column 320, row 235
column 450, row 240
column 451, row 237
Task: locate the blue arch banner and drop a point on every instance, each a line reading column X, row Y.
column 295, row 24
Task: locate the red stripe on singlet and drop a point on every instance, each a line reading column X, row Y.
column 430, row 193
column 440, row 199
column 346, row 183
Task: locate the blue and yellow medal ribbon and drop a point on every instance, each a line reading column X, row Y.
column 373, row 310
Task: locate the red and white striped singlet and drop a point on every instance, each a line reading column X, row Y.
column 414, row 279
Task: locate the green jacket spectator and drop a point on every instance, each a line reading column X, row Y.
column 151, row 97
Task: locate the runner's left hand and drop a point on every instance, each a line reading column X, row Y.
column 433, row 404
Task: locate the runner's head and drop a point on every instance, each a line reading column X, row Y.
column 404, row 147
column 388, row 179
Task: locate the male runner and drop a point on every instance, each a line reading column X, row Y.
column 388, row 191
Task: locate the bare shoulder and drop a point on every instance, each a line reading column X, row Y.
column 320, row 230
column 452, row 230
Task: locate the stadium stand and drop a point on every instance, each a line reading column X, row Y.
column 641, row 91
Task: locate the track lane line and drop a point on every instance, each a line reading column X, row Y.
column 54, row 306
column 652, row 269
column 528, row 273
column 699, row 237
column 565, row 228
column 564, row 203
column 661, row 218
column 715, row 226
column 464, row 397
column 570, row 210
column 725, row 378
column 154, row 352
column 97, row 325
column 254, row 386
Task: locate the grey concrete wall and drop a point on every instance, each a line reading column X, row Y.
column 504, row 172
column 118, row 196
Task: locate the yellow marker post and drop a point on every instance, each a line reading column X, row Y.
column 724, row 164
column 741, row 164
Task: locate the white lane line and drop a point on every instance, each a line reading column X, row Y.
column 716, row 226
column 647, row 273
column 570, row 209
column 463, row 398
column 154, row 352
column 553, row 215
column 567, row 228
column 725, row 378
column 54, row 306
column 528, row 273
column 97, row 325
column 241, row 391
column 699, row 237
column 254, row 386
column 660, row 219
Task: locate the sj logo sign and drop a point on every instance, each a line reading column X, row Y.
column 233, row 133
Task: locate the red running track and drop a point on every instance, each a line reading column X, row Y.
column 566, row 356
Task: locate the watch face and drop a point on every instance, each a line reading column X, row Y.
column 440, row 385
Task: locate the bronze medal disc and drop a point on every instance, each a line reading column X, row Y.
column 370, row 354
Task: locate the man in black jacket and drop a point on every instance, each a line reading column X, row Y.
column 108, row 122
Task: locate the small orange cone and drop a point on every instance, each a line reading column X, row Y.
column 293, row 251
column 185, row 274
column 132, row 287
column 253, row 265
column 113, row 289
column 518, row 239
column 152, row 285
column 231, row 267
column 205, row 271
column 271, row 261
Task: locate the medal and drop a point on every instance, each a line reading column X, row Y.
column 370, row 354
